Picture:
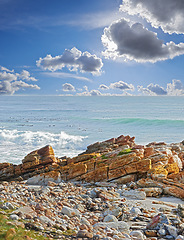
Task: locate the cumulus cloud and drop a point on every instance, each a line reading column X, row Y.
column 7, row 87
column 68, row 87
column 176, row 88
column 153, row 89
column 122, row 86
column 11, row 82
column 25, row 75
column 103, row 87
column 167, row 14
column 135, row 42
column 95, row 93
column 74, row 60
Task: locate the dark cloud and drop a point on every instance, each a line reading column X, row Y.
column 135, row 42
column 11, row 82
column 167, row 14
column 122, row 86
column 68, row 87
column 74, row 60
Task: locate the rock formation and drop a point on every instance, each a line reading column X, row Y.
column 118, row 160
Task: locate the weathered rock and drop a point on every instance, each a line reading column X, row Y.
column 153, row 192
column 135, row 194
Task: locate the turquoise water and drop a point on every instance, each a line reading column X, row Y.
column 69, row 124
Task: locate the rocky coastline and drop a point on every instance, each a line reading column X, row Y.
column 107, row 192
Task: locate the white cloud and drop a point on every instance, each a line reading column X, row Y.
column 6, row 76
column 167, row 14
column 176, row 88
column 68, row 87
column 103, row 87
column 146, row 91
column 122, row 86
column 86, row 88
column 6, row 69
column 135, row 42
column 25, row 75
column 95, row 93
column 11, row 82
column 7, row 87
column 74, row 60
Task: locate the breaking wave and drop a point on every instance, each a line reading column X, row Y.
column 14, row 144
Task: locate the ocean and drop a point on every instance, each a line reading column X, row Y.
column 69, row 124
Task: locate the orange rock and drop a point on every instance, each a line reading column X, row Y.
column 157, row 172
column 143, row 165
column 174, row 191
column 159, row 158
column 83, row 157
column 42, row 156
column 90, row 165
column 116, row 173
column 7, row 173
column 122, row 160
column 97, row 175
column 172, row 168
column 76, row 170
column 177, row 177
column 125, row 179
column 148, row 151
column 4, row 165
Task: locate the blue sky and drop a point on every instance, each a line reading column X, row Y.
column 99, row 47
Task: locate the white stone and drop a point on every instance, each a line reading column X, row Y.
column 14, row 217
column 120, row 225
column 46, row 220
column 178, row 161
column 43, row 180
column 110, row 218
column 135, row 194
column 172, row 230
column 135, row 211
column 137, row 235
column 114, row 210
column 85, row 221
column 180, row 237
column 70, row 212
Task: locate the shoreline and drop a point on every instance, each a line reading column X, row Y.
column 116, row 189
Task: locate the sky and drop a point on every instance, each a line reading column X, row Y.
column 92, row 48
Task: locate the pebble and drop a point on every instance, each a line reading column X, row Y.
column 96, row 212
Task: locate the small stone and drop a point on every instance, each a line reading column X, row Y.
column 179, row 237
column 135, row 194
column 110, row 218
column 83, row 227
column 150, row 233
column 135, row 211
column 172, row 230
column 70, row 212
column 14, row 217
column 137, row 235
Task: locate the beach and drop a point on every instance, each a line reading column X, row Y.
column 116, row 189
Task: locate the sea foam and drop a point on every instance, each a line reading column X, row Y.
column 14, row 144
